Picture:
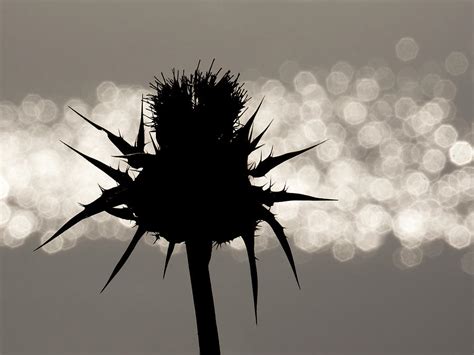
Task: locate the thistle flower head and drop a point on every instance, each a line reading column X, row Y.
column 197, row 184
column 201, row 110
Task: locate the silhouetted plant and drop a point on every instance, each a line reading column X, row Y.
column 196, row 187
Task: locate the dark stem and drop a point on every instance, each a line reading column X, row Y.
column 199, row 255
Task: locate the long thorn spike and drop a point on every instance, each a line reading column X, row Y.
column 283, row 196
column 88, row 211
column 73, row 221
column 245, row 130
column 154, row 144
column 140, row 143
column 93, row 124
column 118, row 141
column 271, row 162
column 109, row 198
column 169, row 253
column 133, row 243
column 254, row 144
column 117, row 175
column 250, row 246
column 268, row 217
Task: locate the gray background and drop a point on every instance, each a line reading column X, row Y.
column 51, row 305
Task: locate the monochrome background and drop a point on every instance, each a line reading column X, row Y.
column 408, row 293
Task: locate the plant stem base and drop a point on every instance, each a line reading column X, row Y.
column 199, row 255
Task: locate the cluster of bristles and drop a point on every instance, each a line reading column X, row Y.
column 196, row 186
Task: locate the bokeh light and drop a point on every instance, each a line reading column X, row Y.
column 406, row 49
column 445, row 135
column 410, row 257
column 433, row 160
column 355, row 112
column 459, row 237
column 446, row 89
column 456, row 63
column 461, row 153
column 21, row 224
column 343, row 251
column 398, row 158
column 337, row 82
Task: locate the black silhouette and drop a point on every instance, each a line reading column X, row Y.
column 196, row 186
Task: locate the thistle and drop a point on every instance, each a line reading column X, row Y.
column 196, row 187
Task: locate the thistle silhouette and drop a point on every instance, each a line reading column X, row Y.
column 196, row 187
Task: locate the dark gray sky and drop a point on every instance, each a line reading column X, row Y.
column 50, row 303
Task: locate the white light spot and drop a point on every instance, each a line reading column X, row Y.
column 370, row 135
column 433, row 111
column 49, row 111
column 391, row 148
column 347, row 199
column 428, row 83
column 337, row 82
column 406, row 49
column 461, row 153
column 445, row 135
column 315, row 130
column 373, row 219
column 410, row 226
column 405, row 107
column 381, row 189
column 392, row 166
column 107, row 92
column 70, row 241
column 305, row 82
column 273, row 91
column 446, row 194
column 445, row 89
column 48, row 206
column 417, row 184
column 307, row 240
column 343, row 250
column 411, row 257
column 368, row 241
column 434, row 161
column 345, row 68
column 355, row 112
column 456, row 63
column 367, row 89
column 459, row 237
column 21, row 224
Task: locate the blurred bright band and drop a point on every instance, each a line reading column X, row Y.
column 398, row 158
